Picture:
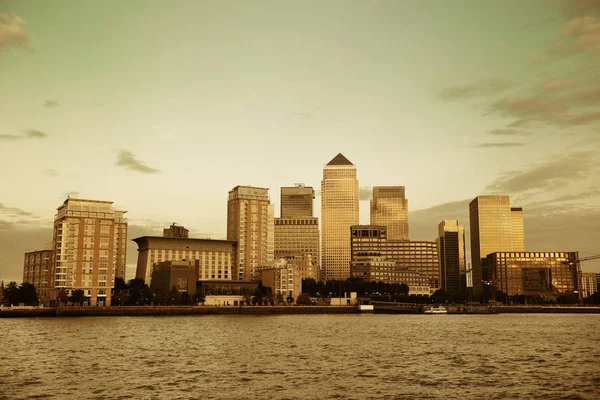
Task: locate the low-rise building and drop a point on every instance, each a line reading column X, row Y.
column 532, row 273
column 373, row 267
column 282, row 277
column 38, row 271
column 589, row 284
column 167, row 275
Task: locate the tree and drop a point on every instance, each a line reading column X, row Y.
column 303, row 299
column 28, row 294
column 11, row 294
column 185, row 299
column 404, row 289
column 278, row 299
column 62, row 296
column 174, row 297
column 77, row 297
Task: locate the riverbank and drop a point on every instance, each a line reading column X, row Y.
column 133, row 311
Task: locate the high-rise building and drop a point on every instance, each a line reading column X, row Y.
column 214, row 259
column 297, row 201
column 451, row 250
column 38, row 271
column 176, row 231
column 339, row 211
column 90, row 246
column 495, row 227
column 541, row 273
column 297, row 231
column 389, row 207
column 416, row 256
column 250, row 222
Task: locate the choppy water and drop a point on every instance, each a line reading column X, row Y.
column 302, row 357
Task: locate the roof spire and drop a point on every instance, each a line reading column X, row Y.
column 339, row 160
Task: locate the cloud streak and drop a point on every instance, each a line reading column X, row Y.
column 51, row 103
column 11, row 31
column 127, row 160
column 508, row 132
column 499, row 145
column 482, row 88
column 548, row 175
column 29, row 134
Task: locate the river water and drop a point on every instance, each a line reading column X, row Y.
column 502, row 356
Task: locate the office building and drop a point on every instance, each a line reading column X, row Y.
column 90, row 246
column 282, row 277
column 495, row 227
column 176, row 231
column 214, row 257
column 389, row 208
column 297, row 201
column 416, row 256
column 297, row 231
column 250, row 222
column 547, row 274
column 372, row 267
column 339, row 211
column 451, row 251
column 38, row 271
column 589, row 284
column 167, row 275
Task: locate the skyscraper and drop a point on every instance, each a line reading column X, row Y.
column 297, row 201
column 389, row 207
column 250, row 223
column 90, row 244
column 451, row 250
column 339, row 211
column 495, row 227
column 297, row 231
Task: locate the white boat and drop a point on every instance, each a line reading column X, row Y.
column 435, row 310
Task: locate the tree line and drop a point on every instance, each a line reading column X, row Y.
column 337, row 288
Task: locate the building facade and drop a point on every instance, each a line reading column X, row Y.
column 416, row 256
column 297, row 231
column 37, row 270
column 176, row 231
column 339, row 211
column 90, row 246
column 167, row 275
column 282, row 277
column 250, row 222
column 214, row 258
column 297, row 201
column 532, row 273
column 372, row 267
column 389, row 208
column 495, row 227
column 451, row 251
column 589, row 284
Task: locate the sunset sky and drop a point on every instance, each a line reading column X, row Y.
column 163, row 107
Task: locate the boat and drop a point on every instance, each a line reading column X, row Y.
column 435, row 310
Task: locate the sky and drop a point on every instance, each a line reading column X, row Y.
column 163, row 107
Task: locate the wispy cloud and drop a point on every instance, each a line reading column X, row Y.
column 50, row 172
column 9, row 137
column 29, row 134
column 549, row 175
column 365, row 193
column 11, row 31
column 127, row 160
column 499, row 145
column 478, row 89
column 50, row 103
column 508, row 132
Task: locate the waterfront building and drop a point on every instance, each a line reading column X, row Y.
column 389, row 208
column 250, row 222
column 282, row 277
column 297, row 201
column 339, row 211
column 416, row 256
column 167, row 275
column 210, row 287
column 373, row 267
column 495, row 227
column 90, row 246
column 451, row 251
column 297, row 231
column 38, row 271
column 176, row 231
column 214, row 257
column 589, row 284
column 547, row 274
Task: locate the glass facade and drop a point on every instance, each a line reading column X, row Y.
column 389, row 208
column 297, row 201
column 451, row 249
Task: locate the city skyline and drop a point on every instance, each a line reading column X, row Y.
column 449, row 109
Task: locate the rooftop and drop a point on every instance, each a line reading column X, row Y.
column 339, row 160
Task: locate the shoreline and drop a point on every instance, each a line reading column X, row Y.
column 131, row 311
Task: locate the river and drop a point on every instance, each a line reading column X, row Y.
column 506, row 356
